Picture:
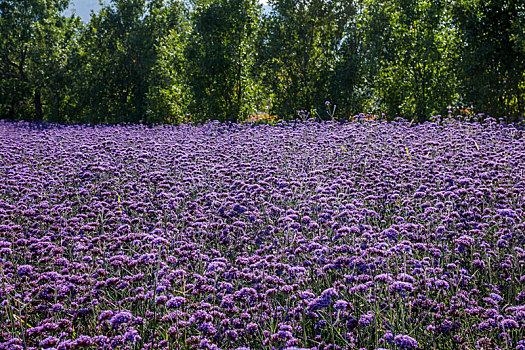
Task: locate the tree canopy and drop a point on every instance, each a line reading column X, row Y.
column 155, row 61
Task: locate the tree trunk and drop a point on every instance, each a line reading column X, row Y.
column 57, row 106
column 11, row 112
column 37, row 100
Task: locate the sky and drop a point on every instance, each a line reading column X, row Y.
column 83, row 7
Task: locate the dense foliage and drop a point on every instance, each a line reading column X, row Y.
column 367, row 235
column 172, row 61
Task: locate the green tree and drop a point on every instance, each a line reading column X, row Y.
column 169, row 93
column 346, row 82
column 220, row 59
column 118, row 53
column 35, row 41
column 299, row 51
column 492, row 67
column 409, row 48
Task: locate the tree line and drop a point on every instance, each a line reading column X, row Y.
column 172, row 61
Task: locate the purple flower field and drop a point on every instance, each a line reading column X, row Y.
column 368, row 235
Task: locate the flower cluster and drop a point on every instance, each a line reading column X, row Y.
column 263, row 118
column 304, row 235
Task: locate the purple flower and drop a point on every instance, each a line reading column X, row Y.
column 508, row 324
column 25, row 270
column 341, row 305
column 49, row 342
column 175, row 303
column 132, row 335
column 83, row 341
column 388, row 336
column 405, row 342
column 251, row 327
column 401, row 287
column 120, row 318
column 329, row 293
column 366, row 319
column 318, row 303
